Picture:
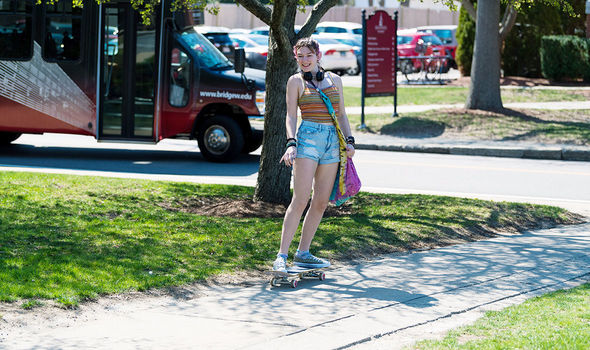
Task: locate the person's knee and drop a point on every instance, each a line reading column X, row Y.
column 319, row 205
column 299, row 204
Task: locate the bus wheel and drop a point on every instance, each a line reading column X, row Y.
column 7, row 137
column 220, row 139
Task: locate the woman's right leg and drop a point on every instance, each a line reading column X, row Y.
column 303, row 173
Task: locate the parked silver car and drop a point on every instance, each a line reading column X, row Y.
column 255, row 47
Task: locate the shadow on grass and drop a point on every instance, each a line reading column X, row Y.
column 411, row 127
column 553, row 128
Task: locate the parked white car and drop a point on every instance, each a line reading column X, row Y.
column 336, row 57
column 339, row 28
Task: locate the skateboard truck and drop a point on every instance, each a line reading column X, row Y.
column 294, row 275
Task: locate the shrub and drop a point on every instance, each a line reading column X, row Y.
column 520, row 55
column 565, row 57
column 465, row 41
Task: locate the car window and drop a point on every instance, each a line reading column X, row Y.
column 241, row 42
column 260, row 32
column 349, row 42
column 358, row 31
column 209, row 55
column 402, row 40
column 445, row 35
column 260, row 40
column 220, row 38
column 326, row 41
column 335, row 30
column 431, row 39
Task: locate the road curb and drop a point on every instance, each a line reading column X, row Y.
column 506, row 152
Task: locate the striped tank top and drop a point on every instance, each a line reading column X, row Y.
column 312, row 106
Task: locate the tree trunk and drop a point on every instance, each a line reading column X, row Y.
column 274, row 179
column 484, row 90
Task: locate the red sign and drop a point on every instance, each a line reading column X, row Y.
column 380, row 55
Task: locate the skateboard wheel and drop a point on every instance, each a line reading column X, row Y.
column 294, row 283
column 322, row 276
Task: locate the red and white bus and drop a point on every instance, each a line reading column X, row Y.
column 100, row 71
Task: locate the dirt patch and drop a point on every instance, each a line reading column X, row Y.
column 241, row 208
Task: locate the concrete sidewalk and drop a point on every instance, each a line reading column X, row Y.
column 512, row 149
column 385, row 299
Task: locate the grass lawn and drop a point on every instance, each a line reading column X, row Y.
column 546, row 126
column 558, row 320
column 453, row 95
column 73, row 238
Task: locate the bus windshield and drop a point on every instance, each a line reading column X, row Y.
column 207, row 53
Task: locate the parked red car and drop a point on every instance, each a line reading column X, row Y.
column 419, row 44
column 407, row 44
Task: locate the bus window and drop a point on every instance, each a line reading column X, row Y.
column 207, row 53
column 180, row 73
column 62, row 32
column 16, row 41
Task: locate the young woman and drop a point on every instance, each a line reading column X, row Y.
column 313, row 151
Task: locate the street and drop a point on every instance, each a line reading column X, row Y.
column 536, row 181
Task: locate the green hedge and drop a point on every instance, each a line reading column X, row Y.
column 565, row 57
column 465, row 41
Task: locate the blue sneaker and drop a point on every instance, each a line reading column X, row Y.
column 280, row 264
column 309, row 261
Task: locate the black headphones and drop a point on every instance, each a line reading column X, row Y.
column 319, row 75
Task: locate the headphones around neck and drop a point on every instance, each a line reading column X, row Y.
column 319, row 75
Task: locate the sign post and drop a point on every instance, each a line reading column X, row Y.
column 379, row 58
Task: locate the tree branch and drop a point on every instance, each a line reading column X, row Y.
column 508, row 21
column 468, row 6
column 257, row 9
column 278, row 31
column 318, row 11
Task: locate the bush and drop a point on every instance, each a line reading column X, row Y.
column 565, row 57
column 520, row 55
column 465, row 41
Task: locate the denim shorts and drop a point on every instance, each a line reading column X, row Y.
column 318, row 142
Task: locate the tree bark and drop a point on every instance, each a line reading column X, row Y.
column 507, row 22
column 468, row 6
column 484, row 90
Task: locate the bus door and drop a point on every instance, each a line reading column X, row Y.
column 128, row 75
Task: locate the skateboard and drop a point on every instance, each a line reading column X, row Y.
column 295, row 274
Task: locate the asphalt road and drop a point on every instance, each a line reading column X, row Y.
column 537, row 181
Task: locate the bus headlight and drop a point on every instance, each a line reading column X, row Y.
column 260, row 101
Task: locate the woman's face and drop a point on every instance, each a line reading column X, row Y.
column 307, row 59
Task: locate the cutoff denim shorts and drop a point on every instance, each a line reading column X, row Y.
column 318, row 142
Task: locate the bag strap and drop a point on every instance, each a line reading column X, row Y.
column 332, row 113
column 341, row 139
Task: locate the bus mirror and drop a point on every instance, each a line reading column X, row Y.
column 239, row 60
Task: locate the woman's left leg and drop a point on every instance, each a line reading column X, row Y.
column 322, row 188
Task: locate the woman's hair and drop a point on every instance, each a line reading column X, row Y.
column 311, row 44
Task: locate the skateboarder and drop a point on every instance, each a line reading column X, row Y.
column 313, row 151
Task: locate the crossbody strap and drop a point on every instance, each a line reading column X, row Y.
column 341, row 140
column 332, row 112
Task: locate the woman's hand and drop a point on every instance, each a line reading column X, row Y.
column 349, row 150
column 289, row 156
